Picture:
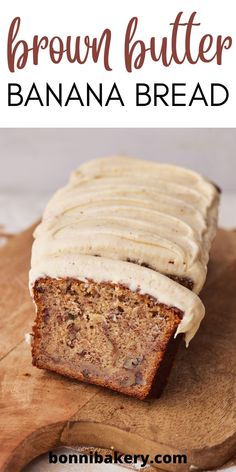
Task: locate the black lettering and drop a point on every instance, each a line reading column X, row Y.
column 50, row 91
column 179, row 459
column 145, row 93
column 52, row 458
column 16, row 93
column 30, row 97
column 62, row 458
column 118, row 97
column 108, row 459
column 83, row 459
column 213, row 99
column 175, row 94
column 201, row 97
column 128, row 459
column 97, row 97
column 144, row 459
column 158, row 459
column 160, row 95
column 77, row 96
column 118, row 458
column 98, row 459
column 73, row 459
column 167, row 459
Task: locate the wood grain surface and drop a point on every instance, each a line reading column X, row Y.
column 196, row 415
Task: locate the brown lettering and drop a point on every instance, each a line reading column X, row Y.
column 11, row 51
column 136, row 51
column 18, row 51
column 222, row 43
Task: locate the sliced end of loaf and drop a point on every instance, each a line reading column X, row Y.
column 105, row 334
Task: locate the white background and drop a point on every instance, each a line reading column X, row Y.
column 78, row 18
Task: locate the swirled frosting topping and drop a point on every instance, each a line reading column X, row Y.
column 140, row 213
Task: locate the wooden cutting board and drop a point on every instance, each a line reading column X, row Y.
column 196, row 415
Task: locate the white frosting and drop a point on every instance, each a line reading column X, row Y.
column 121, row 208
column 147, row 281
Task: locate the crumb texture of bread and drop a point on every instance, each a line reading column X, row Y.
column 103, row 333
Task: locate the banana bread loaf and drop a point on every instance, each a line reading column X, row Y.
column 117, row 264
